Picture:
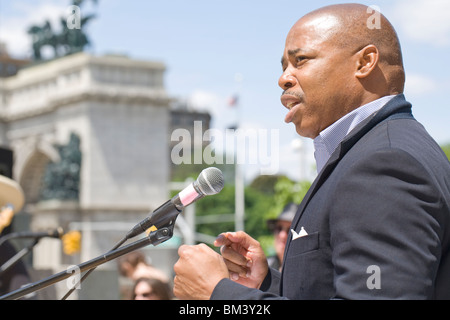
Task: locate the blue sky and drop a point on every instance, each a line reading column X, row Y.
column 205, row 43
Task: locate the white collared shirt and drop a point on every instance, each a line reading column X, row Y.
column 329, row 139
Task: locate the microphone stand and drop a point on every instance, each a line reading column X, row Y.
column 23, row 235
column 19, row 255
column 154, row 238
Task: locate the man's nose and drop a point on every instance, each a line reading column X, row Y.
column 287, row 81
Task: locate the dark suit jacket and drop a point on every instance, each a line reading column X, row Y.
column 377, row 218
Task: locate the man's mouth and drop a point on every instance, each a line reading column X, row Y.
column 292, row 103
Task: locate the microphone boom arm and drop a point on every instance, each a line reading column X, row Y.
column 155, row 238
column 164, row 216
column 19, row 255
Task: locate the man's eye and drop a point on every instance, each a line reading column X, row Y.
column 300, row 59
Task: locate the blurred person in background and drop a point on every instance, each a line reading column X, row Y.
column 17, row 275
column 151, row 289
column 281, row 227
column 135, row 265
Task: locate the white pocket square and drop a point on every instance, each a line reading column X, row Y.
column 296, row 235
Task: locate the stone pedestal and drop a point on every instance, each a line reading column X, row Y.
column 119, row 110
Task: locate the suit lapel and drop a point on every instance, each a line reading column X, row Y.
column 397, row 107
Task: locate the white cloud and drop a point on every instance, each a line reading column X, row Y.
column 418, row 85
column 222, row 114
column 424, row 21
column 205, row 101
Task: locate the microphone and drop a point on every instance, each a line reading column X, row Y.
column 210, row 181
column 56, row 233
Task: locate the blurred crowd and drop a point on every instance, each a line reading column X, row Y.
column 139, row 279
column 143, row 280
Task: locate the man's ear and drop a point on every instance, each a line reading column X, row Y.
column 367, row 61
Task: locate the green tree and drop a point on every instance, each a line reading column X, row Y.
column 265, row 184
column 446, row 149
column 285, row 191
column 265, row 198
column 219, row 204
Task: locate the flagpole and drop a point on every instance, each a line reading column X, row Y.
column 239, row 177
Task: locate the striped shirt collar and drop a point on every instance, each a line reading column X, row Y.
column 329, row 139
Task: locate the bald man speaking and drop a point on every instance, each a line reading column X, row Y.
column 375, row 223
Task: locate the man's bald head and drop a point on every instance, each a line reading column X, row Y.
column 349, row 26
column 334, row 62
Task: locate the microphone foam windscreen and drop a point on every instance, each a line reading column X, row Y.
column 210, row 181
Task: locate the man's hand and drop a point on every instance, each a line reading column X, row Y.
column 198, row 270
column 244, row 258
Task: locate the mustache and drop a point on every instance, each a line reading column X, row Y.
column 292, row 93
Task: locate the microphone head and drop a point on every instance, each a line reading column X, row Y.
column 57, row 233
column 210, row 181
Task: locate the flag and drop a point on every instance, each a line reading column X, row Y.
column 233, row 100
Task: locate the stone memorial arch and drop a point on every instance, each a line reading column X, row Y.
column 90, row 136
